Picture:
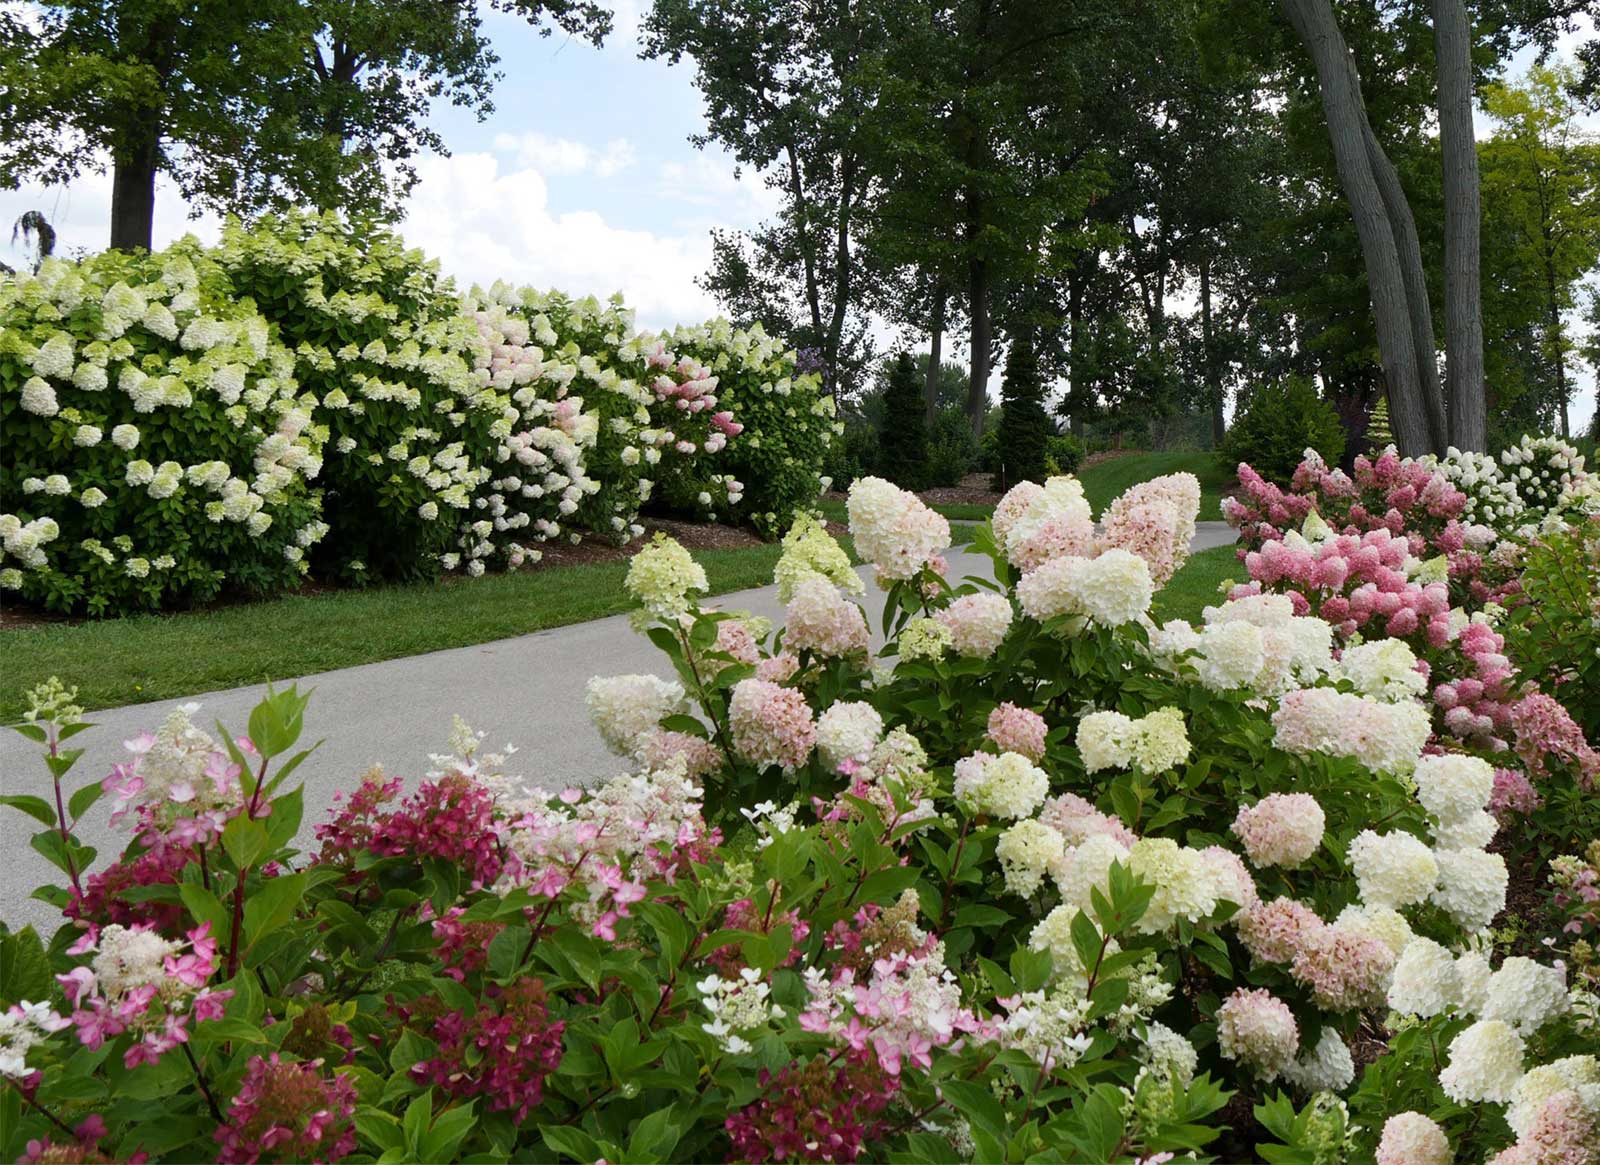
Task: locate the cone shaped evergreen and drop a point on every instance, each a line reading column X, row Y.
column 903, row 442
column 1025, row 428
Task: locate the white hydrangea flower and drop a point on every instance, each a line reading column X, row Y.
column 1392, row 869
column 1472, row 886
column 1525, row 995
column 849, row 731
column 1485, row 1063
column 1425, row 981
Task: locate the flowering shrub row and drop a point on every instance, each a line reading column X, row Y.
column 310, row 395
column 1034, row 879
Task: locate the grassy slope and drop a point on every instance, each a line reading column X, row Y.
column 157, row 657
column 1103, row 482
column 1195, row 585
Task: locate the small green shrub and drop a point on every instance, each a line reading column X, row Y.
column 1280, row 423
column 954, row 450
column 1063, row 454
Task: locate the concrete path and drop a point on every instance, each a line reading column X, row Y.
column 527, row 691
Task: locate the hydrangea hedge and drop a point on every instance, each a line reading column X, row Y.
column 320, row 399
column 1034, row 879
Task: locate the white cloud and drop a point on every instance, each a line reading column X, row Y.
column 484, row 225
column 563, row 156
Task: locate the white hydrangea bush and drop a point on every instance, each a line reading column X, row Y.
column 157, row 442
column 785, row 422
column 400, row 382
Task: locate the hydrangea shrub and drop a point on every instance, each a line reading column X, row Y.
column 397, row 373
column 309, row 373
column 1035, row 879
column 157, row 441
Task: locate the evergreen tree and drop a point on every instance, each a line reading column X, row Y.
column 903, row 440
column 1025, row 428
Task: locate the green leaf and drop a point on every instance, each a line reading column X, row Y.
column 448, row 1131
column 379, row 1128
column 1085, row 941
column 205, row 907
column 272, row 905
column 419, row 1115
column 24, row 967
column 84, row 799
column 35, row 807
column 572, row 1142
column 245, row 840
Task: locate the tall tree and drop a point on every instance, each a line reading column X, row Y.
column 785, row 86
column 1463, row 300
column 243, row 106
column 1542, row 186
column 903, row 437
column 1387, row 231
column 159, row 86
column 1025, row 427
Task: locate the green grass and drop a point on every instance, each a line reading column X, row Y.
column 1103, row 482
column 159, row 657
column 1196, row 584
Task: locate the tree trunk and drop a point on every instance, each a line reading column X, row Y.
column 133, row 186
column 1463, row 300
column 982, row 339
column 1314, row 23
column 1557, row 349
column 841, row 273
column 1219, row 420
column 1419, row 308
column 930, row 388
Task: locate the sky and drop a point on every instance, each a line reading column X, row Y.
column 582, row 178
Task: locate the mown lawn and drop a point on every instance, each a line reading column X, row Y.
column 158, row 657
column 1196, row 585
column 1104, row 481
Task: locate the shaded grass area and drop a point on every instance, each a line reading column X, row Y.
column 159, row 657
column 1196, row 585
column 1104, row 481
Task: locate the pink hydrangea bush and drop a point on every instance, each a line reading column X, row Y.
column 1390, row 553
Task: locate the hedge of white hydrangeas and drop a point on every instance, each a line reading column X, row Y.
column 206, row 415
column 157, row 443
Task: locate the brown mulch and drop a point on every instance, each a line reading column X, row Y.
column 974, row 490
column 693, row 535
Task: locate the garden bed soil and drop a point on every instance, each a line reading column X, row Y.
column 694, row 536
column 974, row 490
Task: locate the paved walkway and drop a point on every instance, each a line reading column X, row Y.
column 527, row 691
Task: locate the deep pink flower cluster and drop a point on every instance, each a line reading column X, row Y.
column 742, row 915
column 501, row 1052
column 451, row 818
column 355, row 823
column 104, row 896
column 463, row 947
column 829, row 1109
column 289, row 1111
